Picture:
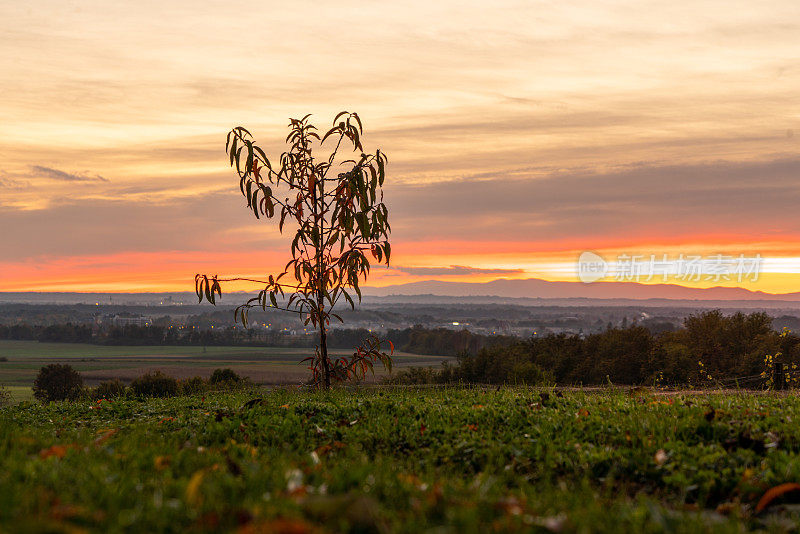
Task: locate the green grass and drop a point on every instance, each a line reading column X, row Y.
column 20, row 393
column 405, row 460
column 268, row 365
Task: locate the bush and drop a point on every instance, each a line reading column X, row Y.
column 110, row 389
column 193, row 386
column 530, row 374
column 57, row 382
column 5, row 397
column 155, row 384
column 224, row 376
column 413, row 376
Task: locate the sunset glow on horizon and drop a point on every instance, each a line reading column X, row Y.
column 518, row 135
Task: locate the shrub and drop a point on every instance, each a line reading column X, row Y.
column 193, row 386
column 224, row 376
column 530, row 374
column 5, row 397
column 110, row 389
column 57, row 382
column 414, row 375
column 155, row 384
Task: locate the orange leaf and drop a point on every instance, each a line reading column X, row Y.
column 161, row 462
column 193, row 494
column 58, row 451
column 774, row 493
column 104, row 436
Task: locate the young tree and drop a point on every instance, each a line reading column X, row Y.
column 337, row 206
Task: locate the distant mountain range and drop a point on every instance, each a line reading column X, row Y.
column 528, row 292
column 544, row 289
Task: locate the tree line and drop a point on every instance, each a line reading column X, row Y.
column 710, row 349
column 416, row 340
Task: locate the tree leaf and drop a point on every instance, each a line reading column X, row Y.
column 773, row 493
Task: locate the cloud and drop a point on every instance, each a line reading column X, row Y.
column 213, row 222
column 454, row 270
column 754, row 201
column 57, row 174
column 17, row 185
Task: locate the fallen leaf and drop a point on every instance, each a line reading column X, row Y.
column 59, row 451
column 193, row 495
column 773, row 493
column 102, row 438
column 161, row 462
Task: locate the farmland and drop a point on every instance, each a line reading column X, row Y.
column 403, row 460
column 97, row 362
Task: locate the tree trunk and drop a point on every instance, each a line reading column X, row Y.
column 323, row 349
column 319, row 214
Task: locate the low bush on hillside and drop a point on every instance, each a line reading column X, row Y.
column 56, row 382
column 227, row 380
column 110, row 389
column 415, row 375
column 220, row 376
column 5, row 397
column 155, row 384
column 495, row 365
column 193, row 386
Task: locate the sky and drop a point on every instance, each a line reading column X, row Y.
column 519, row 135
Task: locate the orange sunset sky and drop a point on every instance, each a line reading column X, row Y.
column 519, row 134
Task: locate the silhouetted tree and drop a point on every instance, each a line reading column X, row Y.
column 340, row 217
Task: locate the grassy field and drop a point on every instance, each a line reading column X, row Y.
column 19, row 393
column 98, row 362
column 381, row 460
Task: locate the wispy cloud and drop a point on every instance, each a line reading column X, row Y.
column 17, row 185
column 57, row 174
column 455, row 270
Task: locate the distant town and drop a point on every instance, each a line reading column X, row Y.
column 485, row 316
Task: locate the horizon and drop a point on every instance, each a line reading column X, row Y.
column 519, row 137
column 602, row 290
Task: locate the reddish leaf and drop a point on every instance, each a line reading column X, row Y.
column 59, row 451
column 104, row 436
column 774, row 493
